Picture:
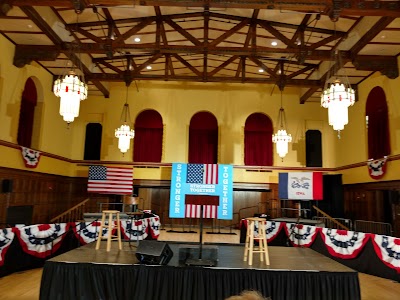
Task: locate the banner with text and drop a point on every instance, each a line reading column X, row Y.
column 201, row 179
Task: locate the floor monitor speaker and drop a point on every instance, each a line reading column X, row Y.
column 153, row 252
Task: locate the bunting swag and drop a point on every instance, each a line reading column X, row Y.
column 155, row 225
column 387, row 248
column 30, row 157
column 301, row 235
column 272, row 230
column 344, row 244
column 41, row 240
column 6, row 238
column 136, row 231
column 377, row 168
column 87, row 232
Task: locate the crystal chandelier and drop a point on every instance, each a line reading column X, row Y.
column 71, row 88
column 124, row 133
column 337, row 94
column 282, row 138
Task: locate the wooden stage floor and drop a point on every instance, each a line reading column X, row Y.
column 294, row 273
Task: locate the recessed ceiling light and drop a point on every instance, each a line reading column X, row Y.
column 383, row 36
column 137, row 39
column 261, row 70
column 30, row 26
column 274, row 43
column 148, row 67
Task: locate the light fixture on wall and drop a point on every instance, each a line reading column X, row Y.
column 124, row 133
column 337, row 94
column 281, row 138
column 71, row 88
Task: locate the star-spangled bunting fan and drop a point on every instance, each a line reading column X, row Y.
column 110, row 180
column 377, row 167
column 30, row 157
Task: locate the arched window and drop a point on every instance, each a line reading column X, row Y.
column 377, row 124
column 148, row 137
column 93, row 141
column 27, row 113
column 258, row 140
column 203, row 139
column 313, row 148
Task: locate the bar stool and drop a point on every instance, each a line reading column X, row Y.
column 110, row 214
column 249, row 247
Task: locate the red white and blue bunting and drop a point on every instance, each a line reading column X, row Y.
column 136, row 230
column 41, row 240
column 44, row 240
column 6, row 238
column 31, row 157
column 87, row 232
column 377, row 168
column 301, row 235
column 155, row 226
column 387, row 248
column 342, row 243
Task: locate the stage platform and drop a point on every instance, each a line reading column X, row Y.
column 294, row 273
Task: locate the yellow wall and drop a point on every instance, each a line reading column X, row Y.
column 352, row 147
column 231, row 104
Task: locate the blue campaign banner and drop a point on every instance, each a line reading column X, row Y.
column 201, row 179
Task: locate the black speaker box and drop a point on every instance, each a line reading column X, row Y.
column 7, row 186
column 153, row 253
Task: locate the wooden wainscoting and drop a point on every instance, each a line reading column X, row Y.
column 47, row 194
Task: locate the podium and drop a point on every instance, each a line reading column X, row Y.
column 199, row 259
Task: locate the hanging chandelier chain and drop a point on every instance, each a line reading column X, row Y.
column 125, row 115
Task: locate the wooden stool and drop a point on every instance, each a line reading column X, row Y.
column 110, row 226
column 262, row 248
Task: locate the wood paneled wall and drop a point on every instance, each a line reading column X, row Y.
column 48, row 194
column 377, row 202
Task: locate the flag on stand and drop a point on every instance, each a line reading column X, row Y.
column 202, row 173
column 110, row 180
column 301, row 186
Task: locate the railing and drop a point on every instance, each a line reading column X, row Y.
column 254, row 210
column 373, row 227
column 73, row 214
column 330, row 224
column 332, row 220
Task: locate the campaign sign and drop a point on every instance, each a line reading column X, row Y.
column 201, row 179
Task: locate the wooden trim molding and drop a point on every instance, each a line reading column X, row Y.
column 156, row 165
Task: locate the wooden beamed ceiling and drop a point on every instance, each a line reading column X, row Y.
column 216, row 41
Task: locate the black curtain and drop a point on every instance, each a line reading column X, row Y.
column 98, row 281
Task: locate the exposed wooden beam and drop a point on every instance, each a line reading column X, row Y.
column 348, row 7
column 120, row 78
column 182, row 31
column 228, row 33
column 223, row 65
column 373, row 32
column 188, row 65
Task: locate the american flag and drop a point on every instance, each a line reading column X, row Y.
column 110, row 180
column 193, row 211
column 202, row 173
